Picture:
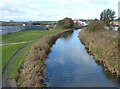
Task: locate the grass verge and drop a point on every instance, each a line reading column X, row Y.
column 26, row 35
column 0, row 61
column 32, row 69
column 8, row 51
column 13, row 69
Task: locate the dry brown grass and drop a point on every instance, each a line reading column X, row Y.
column 32, row 69
column 103, row 45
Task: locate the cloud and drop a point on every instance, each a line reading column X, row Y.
column 54, row 9
column 45, row 14
column 10, row 11
column 82, row 1
column 33, row 6
column 9, row 7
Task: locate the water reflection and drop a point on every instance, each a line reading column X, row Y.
column 109, row 75
column 67, row 35
column 69, row 65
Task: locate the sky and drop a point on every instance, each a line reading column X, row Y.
column 54, row 10
column 119, row 9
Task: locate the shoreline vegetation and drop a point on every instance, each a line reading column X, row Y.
column 31, row 73
column 40, row 38
column 102, row 44
column 21, row 36
column 28, row 66
column 28, row 35
column 46, row 36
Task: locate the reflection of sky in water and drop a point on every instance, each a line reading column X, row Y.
column 70, row 65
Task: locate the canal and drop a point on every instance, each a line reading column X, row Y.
column 69, row 65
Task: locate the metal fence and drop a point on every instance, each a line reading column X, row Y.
column 11, row 29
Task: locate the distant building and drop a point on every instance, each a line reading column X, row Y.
column 11, row 21
column 36, row 24
column 117, row 21
column 24, row 25
column 79, row 23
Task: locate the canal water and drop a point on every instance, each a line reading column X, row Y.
column 69, row 65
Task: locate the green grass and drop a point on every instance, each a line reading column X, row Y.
column 98, row 51
column 0, row 60
column 13, row 69
column 24, row 36
column 0, row 56
column 8, row 51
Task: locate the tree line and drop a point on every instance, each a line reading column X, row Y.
column 106, row 17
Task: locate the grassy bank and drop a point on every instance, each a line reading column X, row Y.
column 36, row 34
column 32, row 69
column 103, row 45
column 26, row 35
column 0, row 60
column 14, row 67
column 8, row 51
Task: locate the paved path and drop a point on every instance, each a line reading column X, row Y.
column 17, row 43
column 10, row 82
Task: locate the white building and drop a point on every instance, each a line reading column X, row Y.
column 79, row 23
column 119, row 9
column 24, row 24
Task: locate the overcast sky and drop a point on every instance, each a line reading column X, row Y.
column 53, row 10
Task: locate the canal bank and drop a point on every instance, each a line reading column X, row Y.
column 69, row 65
column 103, row 46
column 31, row 73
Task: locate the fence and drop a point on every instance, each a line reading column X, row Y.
column 11, row 29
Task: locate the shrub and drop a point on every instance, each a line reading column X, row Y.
column 50, row 27
column 65, row 23
column 95, row 25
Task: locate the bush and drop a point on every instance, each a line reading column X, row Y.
column 50, row 27
column 95, row 25
column 65, row 23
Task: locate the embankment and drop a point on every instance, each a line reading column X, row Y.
column 103, row 45
column 32, row 69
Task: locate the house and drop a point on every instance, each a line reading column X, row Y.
column 24, row 24
column 79, row 23
column 117, row 21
